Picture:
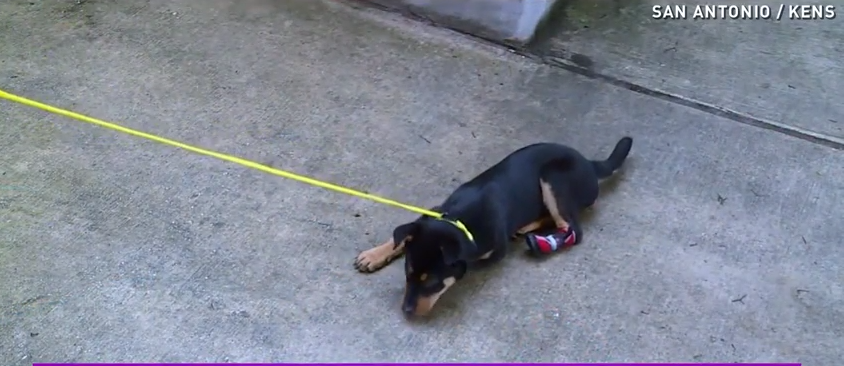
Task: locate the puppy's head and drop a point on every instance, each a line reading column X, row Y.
column 436, row 256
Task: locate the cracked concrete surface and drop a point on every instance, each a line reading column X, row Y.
column 717, row 244
column 778, row 72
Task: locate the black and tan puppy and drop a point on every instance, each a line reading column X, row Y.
column 536, row 184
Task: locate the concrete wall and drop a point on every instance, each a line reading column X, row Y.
column 508, row 21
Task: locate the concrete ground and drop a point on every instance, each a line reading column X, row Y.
column 717, row 243
column 780, row 73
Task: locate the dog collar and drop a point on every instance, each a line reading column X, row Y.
column 460, row 226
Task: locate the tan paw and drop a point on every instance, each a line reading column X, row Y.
column 371, row 260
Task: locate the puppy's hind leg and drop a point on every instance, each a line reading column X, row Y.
column 533, row 226
column 563, row 213
column 371, row 260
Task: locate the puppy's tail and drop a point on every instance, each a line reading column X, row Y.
column 605, row 168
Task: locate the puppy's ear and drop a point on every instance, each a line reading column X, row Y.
column 406, row 231
column 457, row 250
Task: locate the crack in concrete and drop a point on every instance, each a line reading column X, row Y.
column 800, row 133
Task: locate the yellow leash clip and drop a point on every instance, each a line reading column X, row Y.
column 460, row 226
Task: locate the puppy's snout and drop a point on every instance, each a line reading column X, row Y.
column 408, row 308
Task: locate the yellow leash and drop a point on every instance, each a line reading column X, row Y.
column 229, row 158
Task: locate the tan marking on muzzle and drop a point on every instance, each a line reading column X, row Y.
column 425, row 304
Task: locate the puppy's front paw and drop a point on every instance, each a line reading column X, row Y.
column 371, row 260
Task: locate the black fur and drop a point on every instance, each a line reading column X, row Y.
column 494, row 205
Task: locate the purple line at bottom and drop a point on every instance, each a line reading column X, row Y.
column 385, row 364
